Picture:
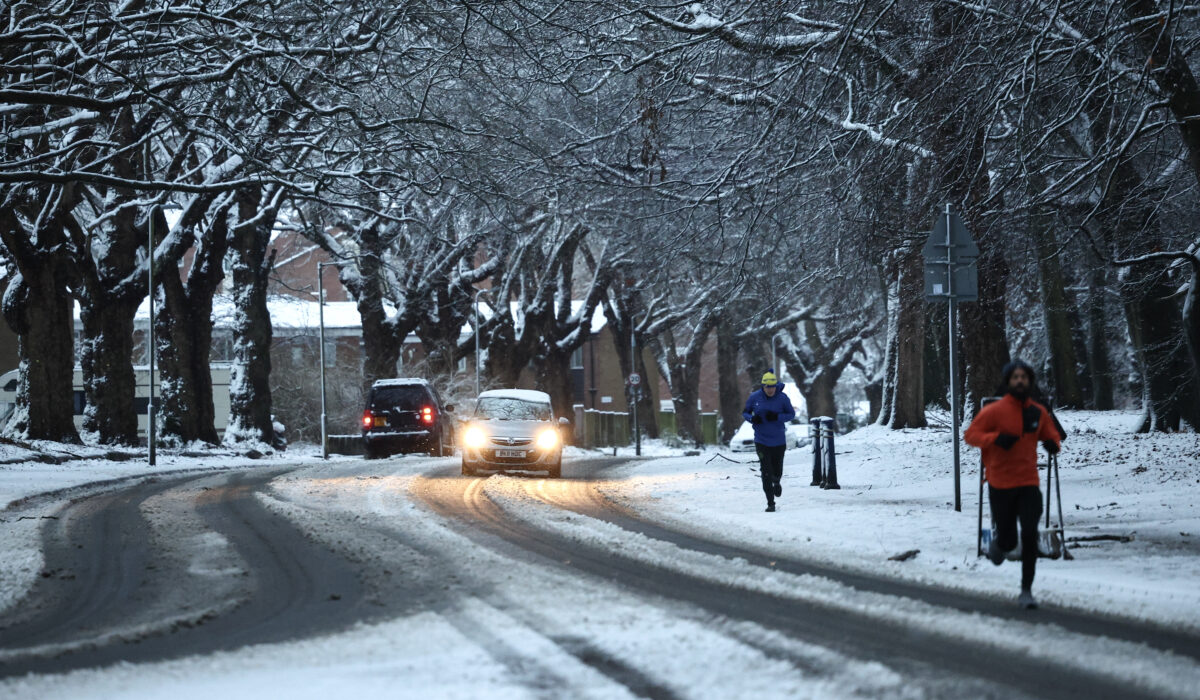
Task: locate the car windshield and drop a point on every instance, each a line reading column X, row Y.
column 505, row 408
column 403, row 398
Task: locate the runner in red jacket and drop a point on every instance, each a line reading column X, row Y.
column 1007, row 432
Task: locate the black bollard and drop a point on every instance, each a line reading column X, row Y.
column 830, row 454
column 814, row 434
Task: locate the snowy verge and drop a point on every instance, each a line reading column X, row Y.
column 1159, row 672
column 650, row 448
column 1133, row 498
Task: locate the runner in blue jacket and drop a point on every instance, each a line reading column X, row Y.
column 769, row 410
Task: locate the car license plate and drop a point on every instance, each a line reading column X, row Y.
column 511, row 454
column 380, row 422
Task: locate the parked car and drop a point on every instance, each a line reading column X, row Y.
column 513, row 430
column 406, row 415
column 743, row 439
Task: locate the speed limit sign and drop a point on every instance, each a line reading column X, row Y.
column 635, row 379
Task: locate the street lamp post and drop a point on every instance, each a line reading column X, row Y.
column 151, row 409
column 636, row 393
column 477, row 293
column 321, row 321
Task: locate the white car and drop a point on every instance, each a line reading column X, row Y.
column 513, row 430
column 743, row 439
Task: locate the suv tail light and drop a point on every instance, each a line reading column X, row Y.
column 427, row 414
column 368, row 419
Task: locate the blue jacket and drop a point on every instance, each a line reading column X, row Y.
column 770, row 433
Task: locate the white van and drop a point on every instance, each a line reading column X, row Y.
column 9, row 381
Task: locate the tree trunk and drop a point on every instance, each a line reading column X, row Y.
column 685, row 394
column 1170, row 395
column 1098, row 360
column 183, row 333
column 874, row 393
column 1191, row 323
column 106, row 355
column 757, row 359
column 683, row 372
column 1060, row 333
column 553, row 376
column 905, row 392
column 818, row 395
column 729, row 391
column 250, row 418
column 503, row 360
column 647, row 412
column 382, row 342
column 937, row 360
column 46, row 347
column 981, row 328
column 647, row 406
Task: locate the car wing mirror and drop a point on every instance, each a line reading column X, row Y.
column 448, row 408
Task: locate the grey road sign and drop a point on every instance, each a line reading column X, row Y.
column 937, row 284
column 950, row 247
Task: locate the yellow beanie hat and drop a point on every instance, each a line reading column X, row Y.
column 769, row 379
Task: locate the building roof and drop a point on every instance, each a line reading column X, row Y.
column 289, row 313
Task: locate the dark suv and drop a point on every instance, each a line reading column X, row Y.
column 406, row 415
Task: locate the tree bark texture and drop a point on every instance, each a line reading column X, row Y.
column 46, row 347
column 729, row 391
column 250, row 418
column 904, row 390
column 1060, row 335
column 184, row 334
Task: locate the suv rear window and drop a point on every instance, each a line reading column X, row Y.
column 404, row 398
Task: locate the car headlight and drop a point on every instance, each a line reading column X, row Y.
column 547, row 439
column 474, row 437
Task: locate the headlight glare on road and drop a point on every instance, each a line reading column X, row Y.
column 474, row 438
column 547, row 439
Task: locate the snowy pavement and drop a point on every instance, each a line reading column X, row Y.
column 897, row 496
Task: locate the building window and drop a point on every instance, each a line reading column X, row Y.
column 577, row 358
column 222, row 348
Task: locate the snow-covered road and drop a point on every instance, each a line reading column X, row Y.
column 402, row 578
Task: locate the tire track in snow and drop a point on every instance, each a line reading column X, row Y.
column 299, row 588
column 922, row 651
column 587, row 498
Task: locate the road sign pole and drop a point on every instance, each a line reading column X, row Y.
column 951, row 275
column 151, row 415
column 321, row 355
column 954, row 418
column 635, row 392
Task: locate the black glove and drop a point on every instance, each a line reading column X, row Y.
column 771, row 416
column 1006, row 441
column 756, row 419
column 1051, row 446
column 1030, row 418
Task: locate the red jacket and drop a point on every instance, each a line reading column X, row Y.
column 1016, row 466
